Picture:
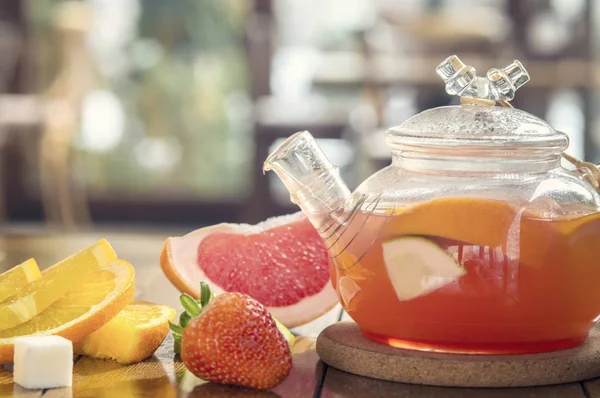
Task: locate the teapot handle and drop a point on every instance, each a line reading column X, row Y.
column 589, row 171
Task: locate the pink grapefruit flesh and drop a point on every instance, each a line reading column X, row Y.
column 261, row 264
column 281, row 262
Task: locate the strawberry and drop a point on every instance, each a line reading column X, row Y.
column 232, row 339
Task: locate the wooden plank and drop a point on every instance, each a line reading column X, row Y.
column 157, row 376
column 342, row 384
column 9, row 389
column 592, row 388
column 306, row 373
column 19, row 392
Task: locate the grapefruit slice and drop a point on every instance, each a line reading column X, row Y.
column 281, row 262
column 417, row 266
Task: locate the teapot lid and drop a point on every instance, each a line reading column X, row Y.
column 478, row 122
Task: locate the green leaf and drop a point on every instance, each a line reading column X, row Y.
column 177, row 346
column 190, row 305
column 184, row 318
column 176, row 329
column 205, row 294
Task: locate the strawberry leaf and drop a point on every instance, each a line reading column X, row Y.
column 176, row 329
column 205, row 294
column 190, row 305
column 177, row 346
column 192, row 309
column 184, row 319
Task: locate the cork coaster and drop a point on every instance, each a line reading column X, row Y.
column 342, row 346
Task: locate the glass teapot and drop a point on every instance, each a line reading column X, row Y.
column 474, row 240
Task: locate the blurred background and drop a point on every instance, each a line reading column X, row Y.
column 153, row 113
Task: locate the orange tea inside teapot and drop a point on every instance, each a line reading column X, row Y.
column 471, row 275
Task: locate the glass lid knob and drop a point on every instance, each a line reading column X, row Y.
column 497, row 85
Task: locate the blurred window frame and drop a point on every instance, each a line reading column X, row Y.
column 25, row 206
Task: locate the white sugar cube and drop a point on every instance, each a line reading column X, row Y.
column 43, row 362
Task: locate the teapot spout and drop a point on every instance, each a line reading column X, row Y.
column 313, row 182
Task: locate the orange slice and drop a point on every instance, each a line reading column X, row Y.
column 131, row 336
column 88, row 306
column 56, row 281
column 480, row 222
column 17, row 277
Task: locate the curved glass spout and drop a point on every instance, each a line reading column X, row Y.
column 313, row 182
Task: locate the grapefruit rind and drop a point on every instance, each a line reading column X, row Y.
column 416, row 266
column 178, row 262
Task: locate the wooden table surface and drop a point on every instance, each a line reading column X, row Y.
column 164, row 375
